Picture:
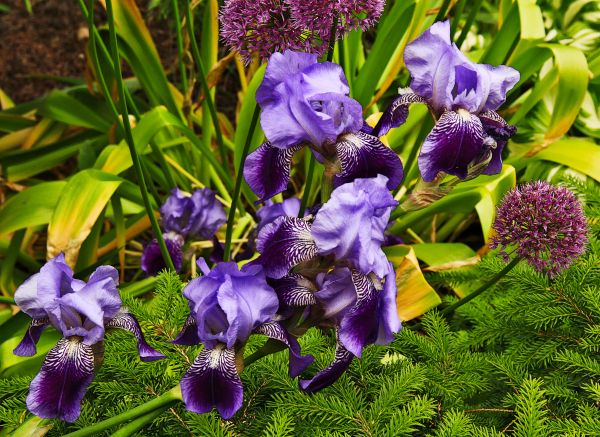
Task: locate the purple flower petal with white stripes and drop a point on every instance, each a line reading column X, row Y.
column 213, row 381
column 329, row 375
column 127, row 321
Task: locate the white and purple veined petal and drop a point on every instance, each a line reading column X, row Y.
column 369, row 203
column 270, row 211
column 267, row 170
column 276, row 331
column 294, row 291
column 27, row 346
column 284, row 243
column 58, row 389
column 456, row 141
column 396, row 113
column 127, row 321
column 364, row 156
column 342, row 360
column 498, row 133
column 213, row 381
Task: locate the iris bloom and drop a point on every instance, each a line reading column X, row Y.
column 81, row 312
column 227, row 306
column 463, row 96
column 359, row 293
column 307, row 103
column 184, row 217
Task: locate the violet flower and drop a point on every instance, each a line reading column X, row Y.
column 152, row 261
column 544, row 224
column 196, row 216
column 270, row 211
column 469, row 134
column 307, row 103
column 227, row 306
column 81, row 312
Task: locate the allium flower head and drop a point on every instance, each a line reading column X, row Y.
column 544, row 223
column 260, row 27
column 317, row 15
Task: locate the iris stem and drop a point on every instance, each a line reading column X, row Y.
column 307, row 185
column 468, row 23
column 202, row 76
column 180, row 52
column 137, row 165
column 160, row 403
column 442, row 12
column 7, row 300
column 238, row 184
column 448, row 311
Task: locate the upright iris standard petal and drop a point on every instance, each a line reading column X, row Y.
column 326, row 377
column 283, row 244
column 152, row 261
column 127, row 321
column 213, row 381
column 358, row 240
column 267, row 170
column 227, row 304
column 305, row 101
column 27, row 346
column 277, row 331
column 59, row 387
column 455, row 142
column 364, row 156
column 501, row 80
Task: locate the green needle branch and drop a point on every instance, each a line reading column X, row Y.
column 137, row 165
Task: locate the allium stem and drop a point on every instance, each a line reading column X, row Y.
column 238, row 184
column 202, row 77
column 160, row 403
column 448, row 311
column 137, row 165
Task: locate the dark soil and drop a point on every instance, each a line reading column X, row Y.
column 37, row 49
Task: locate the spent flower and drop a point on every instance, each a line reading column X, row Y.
column 544, row 224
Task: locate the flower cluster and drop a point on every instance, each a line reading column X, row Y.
column 307, row 103
column 82, row 312
column 544, row 224
column 265, row 27
column 184, row 217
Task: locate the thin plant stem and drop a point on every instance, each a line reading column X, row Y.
column 443, row 9
column 180, row 52
column 448, row 311
column 202, row 76
column 137, row 165
column 469, row 22
column 7, row 300
column 238, row 184
column 161, row 403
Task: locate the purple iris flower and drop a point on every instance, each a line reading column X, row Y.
column 363, row 309
column 307, row 103
column 469, row 134
column 271, row 210
column 288, row 241
column 227, row 305
column 152, row 261
column 81, row 312
column 196, row 216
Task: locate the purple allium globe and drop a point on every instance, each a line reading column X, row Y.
column 260, row 27
column 317, row 15
column 544, row 224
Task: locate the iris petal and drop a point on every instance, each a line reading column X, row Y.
column 294, row 290
column 396, row 113
column 275, row 330
column 267, row 170
column 284, row 243
column 27, row 346
column 59, row 387
column 364, row 156
column 189, row 333
column 455, row 141
column 125, row 320
column 331, row 374
column 499, row 132
column 213, row 381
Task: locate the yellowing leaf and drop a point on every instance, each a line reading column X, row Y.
column 81, row 203
column 415, row 295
